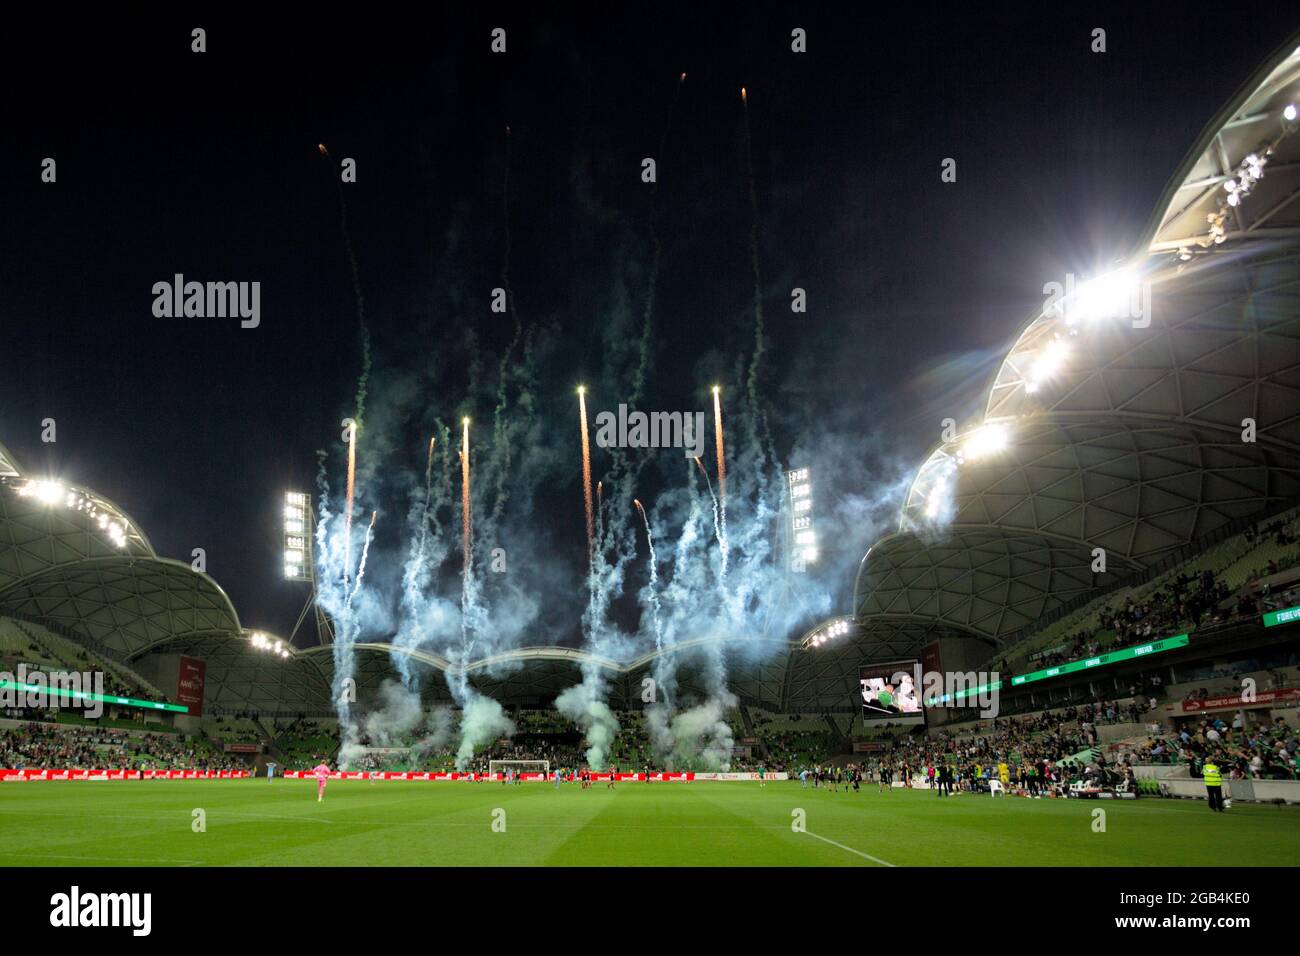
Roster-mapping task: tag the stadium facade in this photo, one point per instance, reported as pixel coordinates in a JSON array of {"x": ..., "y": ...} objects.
[{"x": 1116, "y": 421}]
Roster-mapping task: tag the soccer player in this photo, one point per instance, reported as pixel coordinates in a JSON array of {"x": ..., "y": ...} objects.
[
  {"x": 322, "y": 773},
  {"x": 762, "y": 775},
  {"x": 612, "y": 771}
]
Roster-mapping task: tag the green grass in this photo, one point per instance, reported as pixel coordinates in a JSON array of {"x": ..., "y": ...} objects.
[{"x": 253, "y": 823}]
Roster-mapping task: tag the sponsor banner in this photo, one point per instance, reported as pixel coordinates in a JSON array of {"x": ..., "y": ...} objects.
[
  {"x": 869, "y": 746},
  {"x": 1263, "y": 698},
  {"x": 535, "y": 777},
  {"x": 190, "y": 677},
  {"x": 741, "y": 776},
  {"x": 7, "y": 774},
  {"x": 244, "y": 748}
]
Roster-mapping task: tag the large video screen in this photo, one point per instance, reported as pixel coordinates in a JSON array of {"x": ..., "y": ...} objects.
[{"x": 889, "y": 692}]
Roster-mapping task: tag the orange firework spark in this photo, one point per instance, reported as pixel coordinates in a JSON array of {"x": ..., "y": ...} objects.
[
  {"x": 586, "y": 468},
  {"x": 464, "y": 496},
  {"x": 743, "y": 97},
  {"x": 721, "y": 451},
  {"x": 323, "y": 150}
]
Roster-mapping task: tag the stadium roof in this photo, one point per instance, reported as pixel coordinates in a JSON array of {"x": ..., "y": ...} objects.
[
  {"x": 1115, "y": 420},
  {"x": 71, "y": 557}
]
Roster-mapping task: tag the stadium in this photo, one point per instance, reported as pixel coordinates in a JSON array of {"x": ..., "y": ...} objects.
[{"x": 1085, "y": 598}]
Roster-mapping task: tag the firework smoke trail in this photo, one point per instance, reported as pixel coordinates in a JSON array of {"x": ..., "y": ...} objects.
[
  {"x": 717, "y": 527},
  {"x": 469, "y": 593},
  {"x": 414, "y": 577},
  {"x": 332, "y": 597},
  {"x": 685, "y": 593},
  {"x": 653, "y": 587},
  {"x": 345, "y": 657},
  {"x": 365, "y": 552},
  {"x": 347, "y": 239},
  {"x": 482, "y": 719},
  {"x": 586, "y": 473},
  {"x": 761, "y": 433},
  {"x": 363, "y": 380},
  {"x": 501, "y": 444},
  {"x": 647, "y": 322}
]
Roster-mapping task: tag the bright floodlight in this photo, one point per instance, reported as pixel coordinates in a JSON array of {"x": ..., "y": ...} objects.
[
  {"x": 297, "y": 536},
  {"x": 1113, "y": 295},
  {"x": 46, "y": 492},
  {"x": 804, "y": 552},
  {"x": 985, "y": 440},
  {"x": 54, "y": 494},
  {"x": 1047, "y": 363},
  {"x": 1290, "y": 113}
]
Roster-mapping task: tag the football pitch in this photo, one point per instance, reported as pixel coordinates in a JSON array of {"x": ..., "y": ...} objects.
[{"x": 255, "y": 823}]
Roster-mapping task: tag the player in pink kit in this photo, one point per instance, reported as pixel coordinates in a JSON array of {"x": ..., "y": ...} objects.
[{"x": 322, "y": 773}]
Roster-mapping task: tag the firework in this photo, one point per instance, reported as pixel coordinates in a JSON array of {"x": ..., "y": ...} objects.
[
  {"x": 466, "y": 539},
  {"x": 720, "y": 449},
  {"x": 352, "y": 487},
  {"x": 586, "y": 469},
  {"x": 365, "y": 553},
  {"x": 654, "y": 577}
]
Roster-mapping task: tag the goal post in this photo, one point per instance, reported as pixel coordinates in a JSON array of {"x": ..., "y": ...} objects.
[{"x": 519, "y": 766}]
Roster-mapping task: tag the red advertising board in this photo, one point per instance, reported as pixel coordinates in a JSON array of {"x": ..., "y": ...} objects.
[
  {"x": 75, "y": 774},
  {"x": 1263, "y": 698},
  {"x": 189, "y": 684}
]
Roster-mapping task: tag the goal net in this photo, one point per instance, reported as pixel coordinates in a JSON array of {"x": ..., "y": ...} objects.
[{"x": 519, "y": 766}]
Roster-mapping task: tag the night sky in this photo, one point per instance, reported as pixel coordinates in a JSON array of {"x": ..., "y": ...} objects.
[{"x": 206, "y": 165}]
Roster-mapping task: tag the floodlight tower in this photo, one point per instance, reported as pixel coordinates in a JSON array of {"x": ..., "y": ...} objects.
[
  {"x": 798, "y": 540},
  {"x": 299, "y": 532}
]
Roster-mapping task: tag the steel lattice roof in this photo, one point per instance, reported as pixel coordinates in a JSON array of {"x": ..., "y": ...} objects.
[{"x": 1137, "y": 446}]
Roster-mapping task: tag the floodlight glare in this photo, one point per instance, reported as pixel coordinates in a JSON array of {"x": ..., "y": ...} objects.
[
  {"x": 985, "y": 440},
  {"x": 1107, "y": 296},
  {"x": 1047, "y": 364}
]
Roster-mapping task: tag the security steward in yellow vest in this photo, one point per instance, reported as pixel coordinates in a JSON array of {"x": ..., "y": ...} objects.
[{"x": 1213, "y": 785}]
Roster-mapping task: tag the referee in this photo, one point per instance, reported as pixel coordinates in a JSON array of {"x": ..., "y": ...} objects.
[{"x": 1213, "y": 785}]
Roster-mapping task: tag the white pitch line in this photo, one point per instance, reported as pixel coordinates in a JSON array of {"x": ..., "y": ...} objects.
[
  {"x": 865, "y": 856},
  {"x": 125, "y": 860}
]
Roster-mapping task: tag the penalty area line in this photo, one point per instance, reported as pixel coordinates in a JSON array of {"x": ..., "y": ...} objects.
[{"x": 865, "y": 856}]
